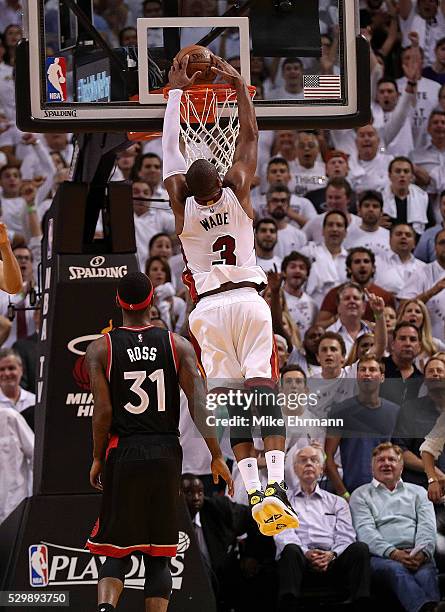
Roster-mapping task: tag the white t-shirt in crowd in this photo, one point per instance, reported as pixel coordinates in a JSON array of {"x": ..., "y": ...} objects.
[
  {"x": 432, "y": 273},
  {"x": 399, "y": 277},
  {"x": 303, "y": 311},
  {"x": 427, "y": 100},
  {"x": 268, "y": 264},
  {"x": 146, "y": 226},
  {"x": 314, "y": 228},
  {"x": 377, "y": 242},
  {"x": 371, "y": 174},
  {"x": 289, "y": 239}
]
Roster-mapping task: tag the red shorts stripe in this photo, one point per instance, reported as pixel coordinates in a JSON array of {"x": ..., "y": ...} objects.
[
  {"x": 112, "y": 443},
  {"x": 175, "y": 354},
  {"x": 109, "y": 550},
  {"x": 274, "y": 363},
  {"x": 197, "y": 348}
]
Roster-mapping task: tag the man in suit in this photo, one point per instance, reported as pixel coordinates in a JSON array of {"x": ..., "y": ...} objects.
[{"x": 218, "y": 523}]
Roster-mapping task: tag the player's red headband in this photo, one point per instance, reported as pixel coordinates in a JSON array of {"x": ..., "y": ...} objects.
[{"x": 139, "y": 306}]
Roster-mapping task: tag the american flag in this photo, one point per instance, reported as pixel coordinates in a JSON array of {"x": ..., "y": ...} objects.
[{"x": 321, "y": 86}]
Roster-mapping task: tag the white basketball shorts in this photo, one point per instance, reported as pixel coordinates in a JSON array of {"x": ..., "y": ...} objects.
[{"x": 234, "y": 332}]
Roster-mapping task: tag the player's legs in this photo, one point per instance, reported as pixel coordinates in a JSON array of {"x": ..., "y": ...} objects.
[
  {"x": 256, "y": 353},
  {"x": 211, "y": 324},
  {"x": 111, "y": 582},
  {"x": 158, "y": 584}
]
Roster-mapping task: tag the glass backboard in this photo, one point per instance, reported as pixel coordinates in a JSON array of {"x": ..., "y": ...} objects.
[{"x": 94, "y": 67}]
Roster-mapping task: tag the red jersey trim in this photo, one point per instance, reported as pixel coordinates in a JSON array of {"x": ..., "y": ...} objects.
[
  {"x": 136, "y": 328},
  {"x": 109, "y": 355},
  {"x": 187, "y": 278},
  {"x": 110, "y": 550},
  {"x": 174, "y": 352},
  {"x": 112, "y": 443}
]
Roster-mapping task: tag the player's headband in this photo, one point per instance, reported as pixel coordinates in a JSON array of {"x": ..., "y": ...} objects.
[{"x": 140, "y": 306}]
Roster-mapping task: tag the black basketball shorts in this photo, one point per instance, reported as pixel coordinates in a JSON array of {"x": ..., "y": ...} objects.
[{"x": 141, "y": 483}]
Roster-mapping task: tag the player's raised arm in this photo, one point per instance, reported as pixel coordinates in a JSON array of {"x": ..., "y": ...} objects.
[
  {"x": 244, "y": 164},
  {"x": 193, "y": 386},
  {"x": 96, "y": 358},
  {"x": 174, "y": 164}
]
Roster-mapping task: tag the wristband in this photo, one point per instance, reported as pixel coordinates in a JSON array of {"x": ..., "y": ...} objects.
[
  {"x": 346, "y": 495},
  {"x": 377, "y": 317},
  {"x": 31, "y": 208},
  {"x": 412, "y": 83}
]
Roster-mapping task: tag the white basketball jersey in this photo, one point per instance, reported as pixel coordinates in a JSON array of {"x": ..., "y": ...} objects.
[{"x": 218, "y": 245}]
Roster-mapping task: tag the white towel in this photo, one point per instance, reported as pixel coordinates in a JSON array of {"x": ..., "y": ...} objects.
[{"x": 417, "y": 204}]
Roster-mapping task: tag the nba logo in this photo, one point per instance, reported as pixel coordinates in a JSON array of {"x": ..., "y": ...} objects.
[
  {"x": 38, "y": 565},
  {"x": 56, "y": 79}
]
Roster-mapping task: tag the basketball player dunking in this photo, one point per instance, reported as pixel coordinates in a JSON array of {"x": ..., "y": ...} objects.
[
  {"x": 135, "y": 373},
  {"x": 231, "y": 323}
]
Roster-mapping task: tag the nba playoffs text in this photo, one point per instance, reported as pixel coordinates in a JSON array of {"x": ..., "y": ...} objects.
[{"x": 26, "y": 599}]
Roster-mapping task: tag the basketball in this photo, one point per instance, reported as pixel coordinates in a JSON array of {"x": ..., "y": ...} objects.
[
  {"x": 62, "y": 79},
  {"x": 200, "y": 59}
]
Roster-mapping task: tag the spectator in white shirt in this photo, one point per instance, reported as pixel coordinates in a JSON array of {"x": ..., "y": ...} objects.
[
  {"x": 370, "y": 169},
  {"x": 303, "y": 310},
  {"x": 148, "y": 168},
  {"x": 300, "y": 210},
  {"x": 148, "y": 221},
  {"x": 338, "y": 197},
  {"x": 369, "y": 234},
  {"x": 351, "y": 309},
  {"x": 10, "y": 13},
  {"x": 387, "y": 99},
  {"x": 15, "y": 460},
  {"x": 398, "y": 271},
  {"x": 11, "y": 393},
  {"x": 425, "y": 18},
  {"x": 329, "y": 258},
  {"x": 308, "y": 169},
  {"x": 426, "y": 90},
  {"x": 429, "y": 287},
  {"x": 266, "y": 236},
  {"x": 292, "y": 87},
  {"x": 124, "y": 163},
  {"x": 403, "y": 201},
  {"x": 431, "y": 158},
  {"x": 290, "y": 238}
]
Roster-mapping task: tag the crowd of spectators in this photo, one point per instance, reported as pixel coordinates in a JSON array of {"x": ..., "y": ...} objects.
[{"x": 343, "y": 218}]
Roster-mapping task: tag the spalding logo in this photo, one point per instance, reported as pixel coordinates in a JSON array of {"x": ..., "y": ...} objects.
[{"x": 97, "y": 261}]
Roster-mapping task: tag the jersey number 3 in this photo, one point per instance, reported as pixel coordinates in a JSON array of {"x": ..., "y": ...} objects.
[
  {"x": 225, "y": 246},
  {"x": 139, "y": 376}
]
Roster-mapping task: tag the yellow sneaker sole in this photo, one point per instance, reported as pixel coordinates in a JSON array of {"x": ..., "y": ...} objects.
[{"x": 272, "y": 518}]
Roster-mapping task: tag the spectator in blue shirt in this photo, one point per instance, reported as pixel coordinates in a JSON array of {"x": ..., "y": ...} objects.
[
  {"x": 396, "y": 520},
  {"x": 324, "y": 548},
  {"x": 368, "y": 420},
  {"x": 425, "y": 249}
]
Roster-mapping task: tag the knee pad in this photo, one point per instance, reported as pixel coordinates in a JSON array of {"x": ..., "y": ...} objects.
[
  {"x": 269, "y": 413},
  {"x": 158, "y": 579},
  {"x": 115, "y": 568}
]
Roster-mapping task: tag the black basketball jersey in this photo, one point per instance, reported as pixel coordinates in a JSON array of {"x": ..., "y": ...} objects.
[{"x": 142, "y": 372}]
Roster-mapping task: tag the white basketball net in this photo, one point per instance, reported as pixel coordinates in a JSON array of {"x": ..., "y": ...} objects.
[{"x": 210, "y": 141}]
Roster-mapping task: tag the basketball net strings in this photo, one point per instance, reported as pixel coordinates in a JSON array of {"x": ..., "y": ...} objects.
[{"x": 210, "y": 141}]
